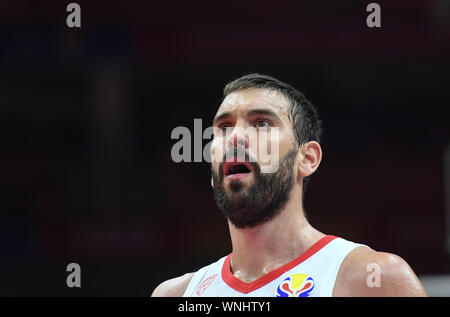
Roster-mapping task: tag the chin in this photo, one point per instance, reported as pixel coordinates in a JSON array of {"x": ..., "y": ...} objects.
[{"x": 236, "y": 186}]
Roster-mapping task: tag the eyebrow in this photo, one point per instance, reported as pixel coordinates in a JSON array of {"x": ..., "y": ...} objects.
[
  {"x": 221, "y": 117},
  {"x": 254, "y": 112},
  {"x": 264, "y": 112}
]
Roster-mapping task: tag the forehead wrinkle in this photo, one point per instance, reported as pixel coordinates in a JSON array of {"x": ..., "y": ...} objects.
[{"x": 264, "y": 98}]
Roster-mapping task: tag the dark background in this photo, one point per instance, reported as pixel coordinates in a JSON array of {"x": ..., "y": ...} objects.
[{"x": 86, "y": 117}]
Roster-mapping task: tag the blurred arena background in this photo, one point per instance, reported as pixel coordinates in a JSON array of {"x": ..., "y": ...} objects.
[{"x": 86, "y": 117}]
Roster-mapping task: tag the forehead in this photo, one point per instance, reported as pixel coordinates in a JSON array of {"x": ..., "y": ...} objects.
[{"x": 249, "y": 99}]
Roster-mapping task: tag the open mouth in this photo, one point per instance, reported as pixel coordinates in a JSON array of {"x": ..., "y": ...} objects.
[{"x": 233, "y": 170}]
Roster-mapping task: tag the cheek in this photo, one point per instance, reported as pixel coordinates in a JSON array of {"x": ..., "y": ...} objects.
[
  {"x": 286, "y": 141},
  {"x": 273, "y": 146},
  {"x": 270, "y": 145}
]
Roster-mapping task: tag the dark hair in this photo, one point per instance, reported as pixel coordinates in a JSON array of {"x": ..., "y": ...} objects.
[{"x": 305, "y": 119}]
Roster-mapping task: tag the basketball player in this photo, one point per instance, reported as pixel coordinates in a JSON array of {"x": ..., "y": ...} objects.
[{"x": 275, "y": 251}]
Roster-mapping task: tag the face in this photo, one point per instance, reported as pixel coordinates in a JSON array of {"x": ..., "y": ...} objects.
[{"x": 250, "y": 126}]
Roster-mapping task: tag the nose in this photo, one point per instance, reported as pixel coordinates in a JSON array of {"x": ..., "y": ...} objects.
[{"x": 238, "y": 138}]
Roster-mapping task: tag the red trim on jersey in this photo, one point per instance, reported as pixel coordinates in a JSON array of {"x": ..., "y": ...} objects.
[{"x": 244, "y": 287}]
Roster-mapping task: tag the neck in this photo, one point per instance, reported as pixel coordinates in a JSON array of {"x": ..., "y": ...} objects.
[{"x": 262, "y": 249}]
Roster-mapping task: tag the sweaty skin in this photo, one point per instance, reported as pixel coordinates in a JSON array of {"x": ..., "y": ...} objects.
[{"x": 268, "y": 246}]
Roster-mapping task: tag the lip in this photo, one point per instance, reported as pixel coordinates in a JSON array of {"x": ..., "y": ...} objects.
[
  {"x": 228, "y": 164},
  {"x": 237, "y": 176}
]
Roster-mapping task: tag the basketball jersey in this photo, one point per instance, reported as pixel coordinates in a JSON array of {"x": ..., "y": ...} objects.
[{"x": 312, "y": 274}]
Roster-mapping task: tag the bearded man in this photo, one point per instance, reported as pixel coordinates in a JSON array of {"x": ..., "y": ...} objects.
[{"x": 275, "y": 251}]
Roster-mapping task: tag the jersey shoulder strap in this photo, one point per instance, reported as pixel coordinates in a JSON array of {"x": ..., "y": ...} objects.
[{"x": 335, "y": 257}]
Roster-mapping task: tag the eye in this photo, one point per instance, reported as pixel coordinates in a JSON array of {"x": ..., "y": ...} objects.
[
  {"x": 263, "y": 123},
  {"x": 224, "y": 126}
]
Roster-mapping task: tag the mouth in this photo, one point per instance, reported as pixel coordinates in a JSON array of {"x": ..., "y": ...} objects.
[{"x": 236, "y": 170}]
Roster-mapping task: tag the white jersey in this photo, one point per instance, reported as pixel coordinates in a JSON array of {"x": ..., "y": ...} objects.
[{"x": 312, "y": 274}]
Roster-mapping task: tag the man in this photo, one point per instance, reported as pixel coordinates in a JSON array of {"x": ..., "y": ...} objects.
[{"x": 275, "y": 251}]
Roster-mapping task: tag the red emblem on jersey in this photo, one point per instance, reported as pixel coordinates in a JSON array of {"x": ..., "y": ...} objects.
[{"x": 205, "y": 284}]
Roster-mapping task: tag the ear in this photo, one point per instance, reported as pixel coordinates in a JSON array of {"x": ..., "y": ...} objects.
[
  {"x": 212, "y": 182},
  {"x": 310, "y": 158}
]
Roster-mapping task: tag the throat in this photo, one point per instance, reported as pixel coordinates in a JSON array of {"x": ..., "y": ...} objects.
[
  {"x": 257, "y": 252},
  {"x": 251, "y": 273},
  {"x": 260, "y": 250}
]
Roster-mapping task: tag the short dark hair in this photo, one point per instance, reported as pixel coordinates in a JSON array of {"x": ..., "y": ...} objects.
[{"x": 305, "y": 119}]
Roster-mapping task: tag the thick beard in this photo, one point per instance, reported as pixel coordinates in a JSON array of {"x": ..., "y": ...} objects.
[{"x": 262, "y": 201}]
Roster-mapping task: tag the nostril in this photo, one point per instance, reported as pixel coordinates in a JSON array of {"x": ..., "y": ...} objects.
[
  {"x": 239, "y": 140},
  {"x": 241, "y": 143}
]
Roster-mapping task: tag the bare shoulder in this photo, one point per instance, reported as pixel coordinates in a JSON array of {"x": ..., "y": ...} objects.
[
  {"x": 174, "y": 287},
  {"x": 365, "y": 272}
]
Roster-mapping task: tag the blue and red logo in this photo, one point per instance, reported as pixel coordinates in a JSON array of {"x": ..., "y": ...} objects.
[{"x": 296, "y": 285}]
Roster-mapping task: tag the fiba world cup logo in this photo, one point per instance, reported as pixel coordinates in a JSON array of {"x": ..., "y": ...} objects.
[{"x": 296, "y": 285}]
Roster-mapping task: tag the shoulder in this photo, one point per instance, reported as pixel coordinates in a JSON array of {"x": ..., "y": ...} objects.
[
  {"x": 174, "y": 287},
  {"x": 365, "y": 272}
]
